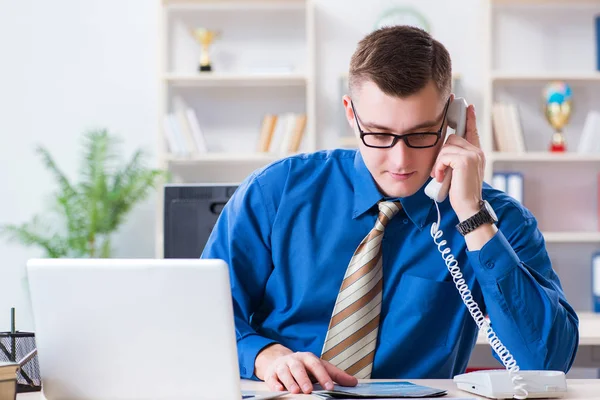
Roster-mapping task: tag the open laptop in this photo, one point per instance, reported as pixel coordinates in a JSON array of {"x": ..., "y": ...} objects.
[{"x": 135, "y": 329}]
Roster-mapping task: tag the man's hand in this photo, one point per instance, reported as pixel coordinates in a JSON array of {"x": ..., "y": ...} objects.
[
  {"x": 283, "y": 369},
  {"x": 465, "y": 157}
]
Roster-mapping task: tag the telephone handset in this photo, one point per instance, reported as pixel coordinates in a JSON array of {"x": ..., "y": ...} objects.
[
  {"x": 497, "y": 384},
  {"x": 457, "y": 120}
]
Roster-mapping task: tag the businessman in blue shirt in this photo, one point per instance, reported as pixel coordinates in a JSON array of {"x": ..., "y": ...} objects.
[{"x": 334, "y": 273}]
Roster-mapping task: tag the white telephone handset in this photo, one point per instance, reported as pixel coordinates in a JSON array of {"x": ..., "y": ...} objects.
[
  {"x": 457, "y": 120},
  {"x": 496, "y": 384}
]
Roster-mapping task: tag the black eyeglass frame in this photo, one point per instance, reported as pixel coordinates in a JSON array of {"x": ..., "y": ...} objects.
[{"x": 404, "y": 137}]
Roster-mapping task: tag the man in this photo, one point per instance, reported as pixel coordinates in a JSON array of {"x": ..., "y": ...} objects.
[{"x": 334, "y": 273}]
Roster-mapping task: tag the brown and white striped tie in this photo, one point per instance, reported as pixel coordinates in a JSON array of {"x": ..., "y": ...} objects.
[{"x": 352, "y": 334}]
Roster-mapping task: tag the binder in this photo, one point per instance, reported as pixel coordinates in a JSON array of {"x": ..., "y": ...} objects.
[
  {"x": 596, "y": 282},
  {"x": 598, "y": 42},
  {"x": 499, "y": 181},
  {"x": 514, "y": 185}
]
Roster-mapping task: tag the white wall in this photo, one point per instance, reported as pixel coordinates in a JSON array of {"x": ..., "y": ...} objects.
[
  {"x": 67, "y": 66},
  {"x": 70, "y": 65}
]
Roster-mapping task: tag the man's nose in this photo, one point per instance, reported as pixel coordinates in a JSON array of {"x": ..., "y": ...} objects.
[{"x": 400, "y": 153}]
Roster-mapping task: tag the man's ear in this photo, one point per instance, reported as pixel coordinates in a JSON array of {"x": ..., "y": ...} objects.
[{"x": 348, "y": 111}]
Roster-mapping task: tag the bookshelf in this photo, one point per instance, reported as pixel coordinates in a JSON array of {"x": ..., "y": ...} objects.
[
  {"x": 529, "y": 44},
  {"x": 263, "y": 62}
]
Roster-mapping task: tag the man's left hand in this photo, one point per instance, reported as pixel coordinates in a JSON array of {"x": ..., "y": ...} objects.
[{"x": 465, "y": 157}]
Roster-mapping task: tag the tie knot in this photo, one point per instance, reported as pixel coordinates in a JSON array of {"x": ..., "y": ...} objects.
[{"x": 387, "y": 210}]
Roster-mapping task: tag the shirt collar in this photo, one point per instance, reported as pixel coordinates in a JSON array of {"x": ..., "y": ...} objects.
[{"x": 418, "y": 207}]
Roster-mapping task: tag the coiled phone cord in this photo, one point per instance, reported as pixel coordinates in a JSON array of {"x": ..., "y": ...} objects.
[{"x": 465, "y": 293}]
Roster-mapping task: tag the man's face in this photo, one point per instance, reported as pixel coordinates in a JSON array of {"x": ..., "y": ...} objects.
[{"x": 399, "y": 171}]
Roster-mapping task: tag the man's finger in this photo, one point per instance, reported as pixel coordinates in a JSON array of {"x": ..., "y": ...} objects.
[
  {"x": 339, "y": 376},
  {"x": 285, "y": 376},
  {"x": 299, "y": 373},
  {"x": 317, "y": 369},
  {"x": 273, "y": 383},
  {"x": 471, "y": 133}
]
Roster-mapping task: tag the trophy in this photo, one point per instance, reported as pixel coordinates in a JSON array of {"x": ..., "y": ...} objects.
[
  {"x": 205, "y": 37},
  {"x": 558, "y": 108}
]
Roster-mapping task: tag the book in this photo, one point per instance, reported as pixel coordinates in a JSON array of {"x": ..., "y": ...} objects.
[
  {"x": 514, "y": 186},
  {"x": 8, "y": 380},
  {"x": 378, "y": 390},
  {"x": 596, "y": 282},
  {"x": 266, "y": 133},
  {"x": 589, "y": 141}
]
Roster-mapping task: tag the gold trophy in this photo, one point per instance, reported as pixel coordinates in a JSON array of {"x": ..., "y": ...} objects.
[
  {"x": 205, "y": 37},
  {"x": 558, "y": 107}
]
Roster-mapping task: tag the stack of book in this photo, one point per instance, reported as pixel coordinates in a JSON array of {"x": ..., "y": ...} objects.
[
  {"x": 182, "y": 131},
  {"x": 8, "y": 380},
  {"x": 281, "y": 134},
  {"x": 508, "y": 131},
  {"x": 510, "y": 183}
]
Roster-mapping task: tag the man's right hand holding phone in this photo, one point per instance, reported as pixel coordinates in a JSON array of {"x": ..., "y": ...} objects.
[{"x": 282, "y": 369}]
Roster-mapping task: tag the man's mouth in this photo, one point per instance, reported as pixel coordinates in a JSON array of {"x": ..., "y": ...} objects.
[{"x": 400, "y": 177}]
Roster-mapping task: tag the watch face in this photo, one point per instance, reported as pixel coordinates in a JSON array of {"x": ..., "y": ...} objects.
[
  {"x": 490, "y": 210},
  {"x": 402, "y": 16}
]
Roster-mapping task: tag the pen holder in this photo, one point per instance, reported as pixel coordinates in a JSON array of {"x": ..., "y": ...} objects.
[{"x": 15, "y": 347}]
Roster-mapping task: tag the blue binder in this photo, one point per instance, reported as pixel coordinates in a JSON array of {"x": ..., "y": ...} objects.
[
  {"x": 596, "y": 282},
  {"x": 598, "y": 42}
]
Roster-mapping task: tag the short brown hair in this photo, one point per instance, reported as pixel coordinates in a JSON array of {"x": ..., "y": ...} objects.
[{"x": 401, "y": 60}]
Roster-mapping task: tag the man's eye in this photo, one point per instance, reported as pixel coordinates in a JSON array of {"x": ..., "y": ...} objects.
[{"x": 381, "y": 137}]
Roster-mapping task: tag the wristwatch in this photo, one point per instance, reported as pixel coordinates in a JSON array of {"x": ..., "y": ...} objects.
[{"x": 486, "y": 215}]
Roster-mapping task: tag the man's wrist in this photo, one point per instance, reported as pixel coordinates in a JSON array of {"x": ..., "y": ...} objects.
[{"x": 468, "y": 210}]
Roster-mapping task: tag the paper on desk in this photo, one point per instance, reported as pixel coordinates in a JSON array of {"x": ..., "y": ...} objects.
[{"x": 383, "y": 390}]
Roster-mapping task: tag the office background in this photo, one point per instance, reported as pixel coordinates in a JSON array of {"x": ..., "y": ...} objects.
[{"x": 70, "y": 66}]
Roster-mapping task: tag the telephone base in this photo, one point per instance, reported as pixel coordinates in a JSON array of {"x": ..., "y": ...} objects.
[{"x": 497, "y": 384}]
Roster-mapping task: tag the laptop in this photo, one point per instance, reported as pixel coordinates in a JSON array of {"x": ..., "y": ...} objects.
[{"x": 135, "y": 329}]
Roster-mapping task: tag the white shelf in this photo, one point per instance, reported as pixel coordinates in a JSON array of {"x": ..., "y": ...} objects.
[
  {"x": 235, "y": 5},
  {"x": 524, "y": 77},
  {"x": 224, "y": 158},
  {"x": 246, "y": 79},
  {"x": 572, "y": 237},
  {"x": 543, "y": 157},
  {"x": 589, "y": 329}
]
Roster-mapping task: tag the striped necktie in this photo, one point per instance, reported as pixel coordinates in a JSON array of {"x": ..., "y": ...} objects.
[{"x": 352, "y": 334}]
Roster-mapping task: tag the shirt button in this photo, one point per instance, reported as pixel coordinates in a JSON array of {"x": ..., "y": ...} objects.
[
  {"x": 405, "y": 221},
  {"x": 489, "y": 264}
]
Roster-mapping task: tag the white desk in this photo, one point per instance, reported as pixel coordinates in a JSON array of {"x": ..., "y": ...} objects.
[
  {"x": 579, "y": 389},
  {"x": 588, "y": 353}
]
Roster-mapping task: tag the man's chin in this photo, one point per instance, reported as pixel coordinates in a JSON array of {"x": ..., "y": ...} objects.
[{"x": 400, "y": 190}]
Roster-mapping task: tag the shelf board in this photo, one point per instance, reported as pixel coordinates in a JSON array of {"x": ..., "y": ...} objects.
[
  {"x": 224, "y": 158},
  {"x": 542, "y": 156},
  {"x": 516, "y": 77},
  {"x": 235, "y": 5},
  {"x": 589, "y": 329},
  {"x": 246, "y": 79},
  {"x": 572, "y": 237}
]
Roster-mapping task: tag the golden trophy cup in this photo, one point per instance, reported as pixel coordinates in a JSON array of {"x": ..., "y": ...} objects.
[
  {"x": 558, "y": 108},
  {"x": 205, "y": 37}
]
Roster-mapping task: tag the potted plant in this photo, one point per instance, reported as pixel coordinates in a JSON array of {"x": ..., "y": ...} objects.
[{"x": 93, "y": 208}]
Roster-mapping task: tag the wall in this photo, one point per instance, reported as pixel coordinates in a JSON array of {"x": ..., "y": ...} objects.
[{"x": 68, "y": 66}]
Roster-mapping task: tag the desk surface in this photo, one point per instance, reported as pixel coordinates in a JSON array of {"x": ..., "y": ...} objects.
[
  {"x": 589, "y": 330},
  {"x": 579, "y": 389}
]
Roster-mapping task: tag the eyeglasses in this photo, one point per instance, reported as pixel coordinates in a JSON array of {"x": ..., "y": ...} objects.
[{"x": 418, "y": 140}]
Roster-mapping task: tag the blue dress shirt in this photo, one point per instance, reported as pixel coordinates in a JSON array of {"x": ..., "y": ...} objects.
[{"x": 291, "y": 228}]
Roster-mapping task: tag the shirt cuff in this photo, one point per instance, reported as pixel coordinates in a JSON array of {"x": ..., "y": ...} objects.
[
  {"x": 495, "y": 259},
  {"x": 248, "y": 348}
]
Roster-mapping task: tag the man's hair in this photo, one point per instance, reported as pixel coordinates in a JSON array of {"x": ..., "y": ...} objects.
[{"x": 401, "y": 60}]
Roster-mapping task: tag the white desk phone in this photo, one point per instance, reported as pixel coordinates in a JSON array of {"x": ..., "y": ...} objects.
[{"x": 495, "y": 384}]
